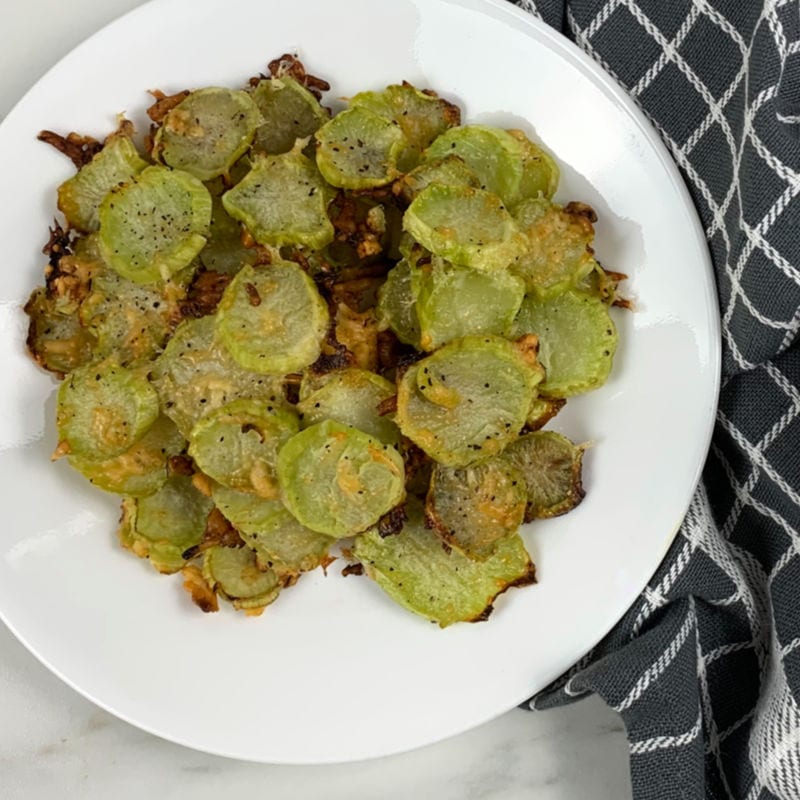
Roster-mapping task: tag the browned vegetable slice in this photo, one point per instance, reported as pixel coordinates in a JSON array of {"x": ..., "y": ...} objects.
[
  {"x": 441, "y": 584},
  {"x": 234, "y": 573},
  {"x": 57, "y": 341},
  {"x": 551, "y": 465},
  {"x": 465, "y": 402},
  {"x": 473, "y": 508},
  {"x": 162, "y": 526}
]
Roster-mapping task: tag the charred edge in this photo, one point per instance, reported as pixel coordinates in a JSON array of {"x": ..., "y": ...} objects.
[
  {"x": 387, "y": 406},
  {"x": 623, "y": 302},
  {"x": 392, "y": 522},
  {"x": 289, "y": 579},
  {"x": 325, "y": 562},
  {"x": 78, "y": 149},
  {"x": 578, "y": 209},
  {"x": 484, "y": 615},
  {"x": 204, "y": 294},
  {"x": 554, "y": 406},
  {"x": 58, "y": 245},
  {"x": 353, "y": 569},
  {"x": 289, "y": 64},
  {"x": 164, "y": 104},
  {"x": 526, "y": 579}
]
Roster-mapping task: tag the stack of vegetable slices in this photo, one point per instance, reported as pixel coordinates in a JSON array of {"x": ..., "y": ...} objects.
[{"x": 279, "y": 330}]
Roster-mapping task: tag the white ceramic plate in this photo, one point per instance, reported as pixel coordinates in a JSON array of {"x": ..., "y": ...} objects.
[{"x": 334, "y": 671}]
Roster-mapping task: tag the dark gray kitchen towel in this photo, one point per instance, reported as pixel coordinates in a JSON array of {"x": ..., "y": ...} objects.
[{"x": 705, "y": 666}]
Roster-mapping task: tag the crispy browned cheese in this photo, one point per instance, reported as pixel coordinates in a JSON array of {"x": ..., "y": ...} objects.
[
  {"x": 387, "y": 406},
  {"x": 325, "y": 562},
  {"x": 164, "y": 104},
  {"x": 359, "y": 294},
  {"x": 392, "y": 521},
  {"x": 418, "y": 466},
  {"x": 180, "y": 465},
  {"x": 218, "y": 533},
  {"x": 337, "y": 357},
  {"x": 79, "y": 149},
  {"x": 59, "y": 244},
  {"x": 289, "y": 64},
  {"x": 577, "y": 209},
  {"x": 204, "y": 294},
  {"x": 358, "y": 332},
  {"x": 202, "y": 594}
]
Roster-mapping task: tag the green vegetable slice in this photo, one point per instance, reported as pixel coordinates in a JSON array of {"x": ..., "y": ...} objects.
[
  {"x": 551, "y": 466},
  {"x": 540, "y": 172},
  {"x": 493, "y": 154},
  {"x": 466, "y": 226},
  {"x": 207, "y": 132},
  {"x": 237, "y": 444},
  {"x": 154, "y": 225},
  {"x": 57, "y": 341},
  {"x": 396, "y": 305},
  {"x": 442, "y": 585},
  {"x": 103, "y": 409},
  {"x": 473, "y": 508},
  {"x": 235, "y": 573},
  {"x": 272, "y": 319},
  {"x": 247, "y": 512},
  {"x": 453, "y": 301},
  {"x": 467, "y": 401},
  {"x": 79, "y": 197},
  {"x": 163, "y": 525},
  {"x": 451, "y": 171},
  {"x": 130, "y": 321},
  {"x": 139, "y": 471},
  {"x": 422, "y": 116},
  {"x": 280, "y": 542},
  {"x": 290, "y": 112},
  {"x": 195, "y": 374},
  {"x": 358, "y": 149},
  {"x": 559, "y": 249},
  {"x": 224, "y": 251},
  {"x": 282, "y": 200},
  {"x": 338, "y": 480},
  {"x": 577, "y": 341},
  {"x": 351, "y": 397}
]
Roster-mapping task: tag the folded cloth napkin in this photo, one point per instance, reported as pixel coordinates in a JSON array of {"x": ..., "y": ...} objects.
[{"x": 705, "y": 666}]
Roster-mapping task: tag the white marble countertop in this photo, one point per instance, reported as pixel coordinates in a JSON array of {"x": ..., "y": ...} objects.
[{"x": 54, "y": 743}]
